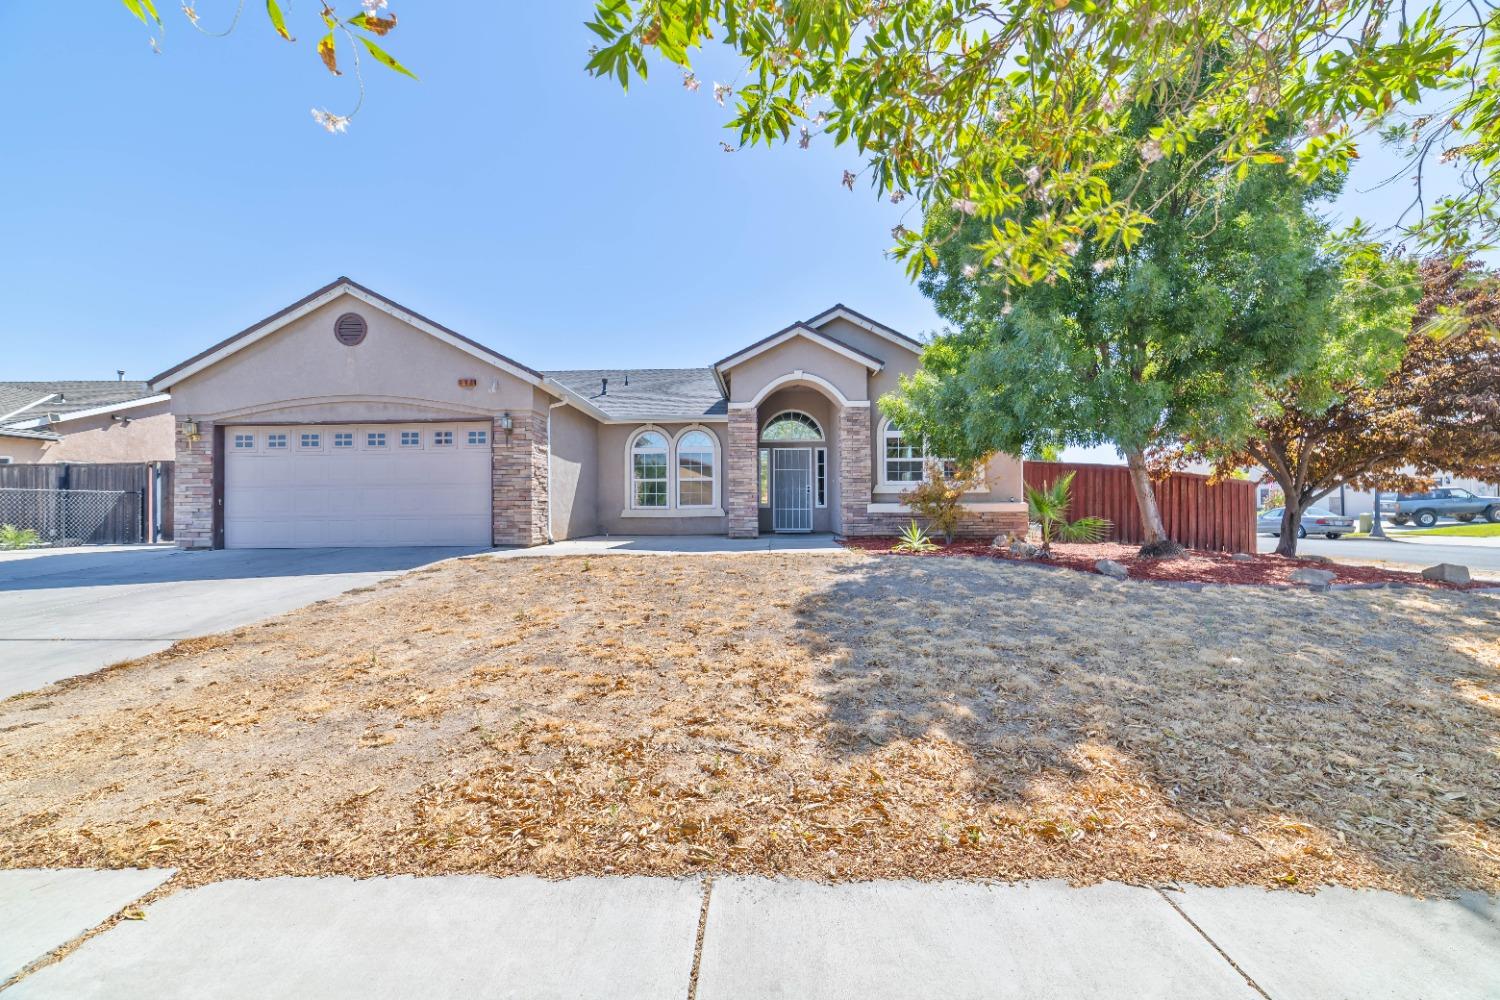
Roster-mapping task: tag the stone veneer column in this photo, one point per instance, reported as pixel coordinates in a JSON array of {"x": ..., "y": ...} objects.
[
  {"x": 743, "y": 504},
  {"x": 854, "y": 470},
  {"x": 193, "y": 489},
  {"x": 518, "y": 480}
]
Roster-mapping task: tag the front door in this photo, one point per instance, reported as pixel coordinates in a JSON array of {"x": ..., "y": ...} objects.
[{"x": 791, "y": 489}]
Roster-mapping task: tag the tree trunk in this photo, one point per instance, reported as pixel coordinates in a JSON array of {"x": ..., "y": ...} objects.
[
  {"x": 1155, "y": 541},
  {"x": 1291, "y": 520}
]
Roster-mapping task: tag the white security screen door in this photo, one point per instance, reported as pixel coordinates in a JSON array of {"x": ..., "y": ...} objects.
[
  {"x": 791, "y": 489},
  {"x": 312, "y": 485}
]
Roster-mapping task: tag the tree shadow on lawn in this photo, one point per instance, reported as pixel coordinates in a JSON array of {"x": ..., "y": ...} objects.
[{"x": 1141, "y": 731}]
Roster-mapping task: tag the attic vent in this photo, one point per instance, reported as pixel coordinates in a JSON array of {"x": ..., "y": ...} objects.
[{"x": 350, "y": 329}]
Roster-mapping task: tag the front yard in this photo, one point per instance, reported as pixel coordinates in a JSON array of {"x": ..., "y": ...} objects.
[{"x": 841, "y": 716}]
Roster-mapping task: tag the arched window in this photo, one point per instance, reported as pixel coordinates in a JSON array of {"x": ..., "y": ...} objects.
[
  {"x": 793, "y": 425},
  {"x": 903, "y": 459},
  {"x": 695, "y": 469},
  {"x": 648, "y": 469}
]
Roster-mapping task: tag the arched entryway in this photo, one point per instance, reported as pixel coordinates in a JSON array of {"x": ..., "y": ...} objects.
[{"x": 796, "y": 455}]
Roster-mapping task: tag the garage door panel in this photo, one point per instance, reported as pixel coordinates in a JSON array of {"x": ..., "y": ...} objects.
[{"x": 360, "y": 495}]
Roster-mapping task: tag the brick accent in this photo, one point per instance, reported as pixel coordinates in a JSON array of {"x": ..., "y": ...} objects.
[
  {"x": 743, "y": 494},
  {"x": 975, "y": 524},
  {"x": 854, "y": 469},
  {"x": 518, "y": 480},
  {"x": 193, "y": 489}
]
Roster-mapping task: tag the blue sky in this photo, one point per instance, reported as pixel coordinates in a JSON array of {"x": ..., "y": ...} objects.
[{"x": 157, "y": 203}]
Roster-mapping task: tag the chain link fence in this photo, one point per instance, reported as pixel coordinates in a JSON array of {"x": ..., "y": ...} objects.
[{"x": 31, "y": 518}]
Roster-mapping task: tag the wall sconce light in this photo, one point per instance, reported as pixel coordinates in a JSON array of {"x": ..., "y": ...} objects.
[
  {"x": 190, "y": 429},
  {"x": 506, "y": 423}
]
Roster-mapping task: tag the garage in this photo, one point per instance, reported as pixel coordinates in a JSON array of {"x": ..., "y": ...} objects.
[{"x": 316, "y": 485}]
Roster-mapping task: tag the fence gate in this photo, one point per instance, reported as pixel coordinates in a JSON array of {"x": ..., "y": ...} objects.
[{"x": 77, "y": 504}]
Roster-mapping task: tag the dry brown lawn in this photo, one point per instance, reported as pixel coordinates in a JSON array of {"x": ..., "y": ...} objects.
[{"x": 836, "y": 716}]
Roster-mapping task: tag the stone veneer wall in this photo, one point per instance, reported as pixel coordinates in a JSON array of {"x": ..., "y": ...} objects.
[
  {"x": 854, "y": 470},
  {"x": 975, "y": 524},
  {"x": 743, "y": 493},
  {"x": 518, "y": 480},
  {"x": 193, "y": 489}
]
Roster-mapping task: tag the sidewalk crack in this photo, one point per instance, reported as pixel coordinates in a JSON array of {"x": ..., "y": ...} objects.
[
  {"x": 708, "y": 888},
  {"x": 1214, "y": 944}
]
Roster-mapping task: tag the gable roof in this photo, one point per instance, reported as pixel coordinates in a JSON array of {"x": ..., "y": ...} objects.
[
  {"x": 840, "y": 311},
  {"x": 329, "y": 292},
  {"x": 637, "y": 394},
  {"x": 802, "y": 330},
  {"x": 32, "y": 400}
]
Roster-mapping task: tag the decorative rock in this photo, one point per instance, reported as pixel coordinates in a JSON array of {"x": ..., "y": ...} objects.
[
  {"x": 1109, "y": 567},
  {"x": 1325, "y": 560},
  {"x": 1242, "y": 557},
  {"x": 1024, "y": 549},
  {"x": 1317, "y": 579},
  {"x": 1447, "y": 573}
]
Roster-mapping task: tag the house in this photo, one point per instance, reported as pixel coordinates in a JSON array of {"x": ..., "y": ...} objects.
[
  {"x": 111, "y": 420},
  {"x": 348, "y": 419}
]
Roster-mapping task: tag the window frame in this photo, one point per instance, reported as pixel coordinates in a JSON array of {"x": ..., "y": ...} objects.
[
  {"x": 401, "y": 439},
  {"x": 484, "y": 437},
  {"x": 317, "y": 442},
  {"x": 273, "y": 436},
  {"x": 234, "y": 444},
  {"x": 675, "y": 468},
  {"x": 806, "y": 420},
  {"x": 632, "y": 480},
  {"x": 887, "y": 484},
  {"x": 335, "y": 446},
  {"x": 437, "y": 438},
  {"x": 820, "y": 477},
  {"x": 763, "y": 477},
  {"x": 370, "y": 443}
]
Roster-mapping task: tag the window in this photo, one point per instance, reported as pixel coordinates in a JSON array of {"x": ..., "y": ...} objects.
[
  {"x": 244, "y": 440},
  {"x": 765, "y": 477},
  {"x": 648, "y": 470},
  {"x": 695, "y": 469},
  {"x": 343, "y": 439},
  {"x": 479, "y": 437},
  {"x": 6, "y": 460},
  {"x": 903, "y": 459},
  {"x": 275, "y": 440},
  {"x": 411, "y": 439},
  {"x": 312, "y": 441},
  {"x": 821, "y": 477},
  {"x": 375, "y": 439},
  {"x": 442, "y": 439},
  {"x": 793, "y": 425}
]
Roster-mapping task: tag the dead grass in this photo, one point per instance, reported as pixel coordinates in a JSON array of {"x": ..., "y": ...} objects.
[{"x": 844, "y": 717}]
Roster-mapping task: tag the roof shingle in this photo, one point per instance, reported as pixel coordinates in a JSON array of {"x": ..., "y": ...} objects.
[
  {"x": 72, "y": 395},
  {"x": 647, "y": 393}
]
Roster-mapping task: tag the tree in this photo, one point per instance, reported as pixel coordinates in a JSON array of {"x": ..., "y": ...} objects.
[
  {"x": 373, "y": 21},
  {"x": 939, "y": 496},
  {"x": 1134, "y": 348},
  {"x": 1373, "y": 416},
  {"x": 983, "y": 103}
]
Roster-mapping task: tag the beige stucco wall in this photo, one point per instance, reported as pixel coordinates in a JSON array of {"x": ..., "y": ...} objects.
[
  {"x": 748, "y": 378},
  {"x": 574, "y": 486},
  {"x": 146, "y": 437},
  {"x": 301, "y": 373},
  {"x": 614, "y": 486},
  {"x": 22, "y": 451}
]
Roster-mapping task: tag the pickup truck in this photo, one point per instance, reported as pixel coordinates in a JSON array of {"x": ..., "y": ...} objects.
[{"x": 1426, "y": 508}]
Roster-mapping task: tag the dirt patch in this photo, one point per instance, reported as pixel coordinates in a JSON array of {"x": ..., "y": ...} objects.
[
  {"x": 826, "y": 716},
  {"x": 1194, "y": 566}
]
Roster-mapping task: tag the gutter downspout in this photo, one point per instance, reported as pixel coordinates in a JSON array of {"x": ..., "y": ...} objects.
[{"x": 550, "y": 408}]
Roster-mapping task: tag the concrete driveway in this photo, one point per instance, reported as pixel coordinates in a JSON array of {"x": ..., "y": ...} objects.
[{"x": 71, "y": 611}]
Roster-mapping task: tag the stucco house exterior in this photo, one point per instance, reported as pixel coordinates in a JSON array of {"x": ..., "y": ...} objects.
[
  {"x": 349, "y": 419},
  {"x": 111, "y": 420}
]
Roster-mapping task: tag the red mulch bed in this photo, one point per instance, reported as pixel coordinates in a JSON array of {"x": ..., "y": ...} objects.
[{"x": 1195, "y": 566}]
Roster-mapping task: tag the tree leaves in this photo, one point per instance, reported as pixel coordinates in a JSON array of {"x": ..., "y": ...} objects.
[
  {"x": 326, "y": 53},
  {"x": 278, "y": 21},
  {"x": 383, "y": 57}
]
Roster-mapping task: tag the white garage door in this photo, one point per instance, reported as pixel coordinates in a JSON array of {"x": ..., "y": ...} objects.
[{"x": 357, "y": 484}]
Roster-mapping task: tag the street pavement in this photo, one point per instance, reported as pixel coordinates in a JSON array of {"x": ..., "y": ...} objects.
[
  {"x": 1417, "y": 552},
  {"x": 634, "y": 938}
]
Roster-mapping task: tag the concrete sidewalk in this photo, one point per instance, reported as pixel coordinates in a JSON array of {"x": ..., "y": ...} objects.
[
  {"x": 626, "y": 938},
  {"x": 672, "y": 545}
]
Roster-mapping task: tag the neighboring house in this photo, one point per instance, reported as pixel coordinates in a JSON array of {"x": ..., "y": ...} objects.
[
  {"x": 84, "y": 421},
  {"x": 348, "y": 419}
]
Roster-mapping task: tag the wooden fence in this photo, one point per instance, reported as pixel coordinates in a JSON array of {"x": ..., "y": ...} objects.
[
  {"x": 1200, "y": 516},
  {"x": 143, "y": 515}
]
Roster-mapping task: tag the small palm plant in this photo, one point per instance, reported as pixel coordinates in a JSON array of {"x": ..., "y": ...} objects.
[
  {"x": 1048, "y": 507},
  {"x": 914, "y": 539}
]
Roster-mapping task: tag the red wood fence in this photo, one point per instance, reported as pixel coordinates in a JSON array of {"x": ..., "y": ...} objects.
[{"x": 1200, "y": 516}]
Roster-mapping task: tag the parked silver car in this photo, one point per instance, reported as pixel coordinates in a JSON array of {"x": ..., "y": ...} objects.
[{"x": 1315, "y": 521}]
